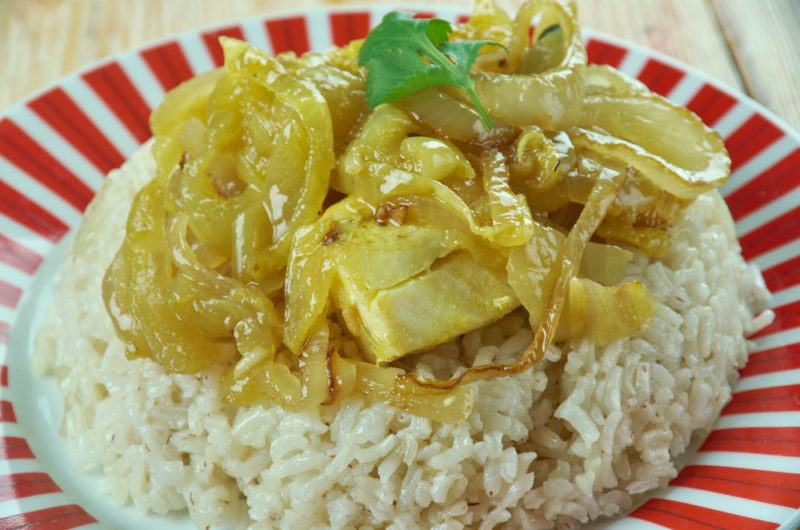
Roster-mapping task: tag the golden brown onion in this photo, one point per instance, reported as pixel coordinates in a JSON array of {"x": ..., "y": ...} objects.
[
  {"x": 550, "y": 99},
  {"x": 537, "y": 161},
  {"x": 391, "y": 387},
  {"x": 136, "y": 293},
  {"x": 452, "y": 118},
  {"x": 590, "y": 306},
  {"x": 277, "y": 191}
]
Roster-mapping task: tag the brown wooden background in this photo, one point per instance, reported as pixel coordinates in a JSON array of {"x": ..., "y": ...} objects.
[{"x": 752, "y": 45}]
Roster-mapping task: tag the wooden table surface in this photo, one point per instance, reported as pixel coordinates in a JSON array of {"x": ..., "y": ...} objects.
[{"x": 752, "y": 45}]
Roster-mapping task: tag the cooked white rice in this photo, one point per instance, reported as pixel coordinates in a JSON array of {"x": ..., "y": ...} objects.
[{"x": 572, "y": 440}]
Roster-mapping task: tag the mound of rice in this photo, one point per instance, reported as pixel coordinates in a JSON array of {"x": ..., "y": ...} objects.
[{"x": 575, "y": 439}]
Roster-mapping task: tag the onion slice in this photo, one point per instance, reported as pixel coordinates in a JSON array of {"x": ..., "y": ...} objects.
[
  {"x": 665, "y": 143},
  {"x": 452, "y": 118},
  {"x": 550, "y": 99}
]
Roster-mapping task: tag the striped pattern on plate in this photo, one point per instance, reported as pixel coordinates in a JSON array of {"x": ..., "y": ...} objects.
[{"x": 56, "y": 147}]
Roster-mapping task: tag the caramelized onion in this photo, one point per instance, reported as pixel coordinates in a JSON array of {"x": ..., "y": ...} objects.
[
  {"x": 589, "y": 304},
  {"x": 550, "y": 99},
  {"x": 136, "y": 294},
  {"x": 537, "y": 160},
  {"x": 665, "y": 143},
  {"x": 276, "y": 191},
  {"x": 392, "y": 387},
  {"x": 452, "y": 118}
]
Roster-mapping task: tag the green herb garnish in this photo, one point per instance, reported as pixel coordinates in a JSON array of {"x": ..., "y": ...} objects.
[{"x": 404, "y": 55}]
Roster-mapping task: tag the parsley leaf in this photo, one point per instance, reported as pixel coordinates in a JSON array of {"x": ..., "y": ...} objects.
[{"x": 404, "y": 55}]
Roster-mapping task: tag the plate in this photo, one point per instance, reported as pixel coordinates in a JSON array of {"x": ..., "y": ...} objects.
[{"x": 56, "y": 146}]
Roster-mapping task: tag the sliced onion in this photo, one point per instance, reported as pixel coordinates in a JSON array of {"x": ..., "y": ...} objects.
[
  {"x": 511, "y": 217},
  {"x": 602, "y": 80},
  {"x": 537, "y": 161},
  {"x": 512, "y": 227},
  {"x": 186, "y": 101},
  {"x": 533, "y": 270},
  {"x": 546, "y": 14},
  {"x": 550, "y": 99},
  {"x": 435, "y": 158},
  {"x": 311, "y": 269},
  {"x": 255, "y": 323},
  {"x": 341, "y": 374},
  {"x": 652, "y": 241},
  {"x": 136, "y": 293},
  {"x": 590, "y": 306},
  {"x": 452, "y": 118},
  {"x": 297, "y": 174},
  {"x": 487, "y": 22},
  {"x": 266, "y": 382},
  {"x": 392, "y": 387},
  {"x": 665, "y": 143},
  {"x": 314, "y": 365},
  {"x": 373, "y": 168},
  {"x": 545, "y": 52}
]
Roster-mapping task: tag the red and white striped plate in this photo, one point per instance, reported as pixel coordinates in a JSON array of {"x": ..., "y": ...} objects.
[{"x": 56, "y": 147}]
